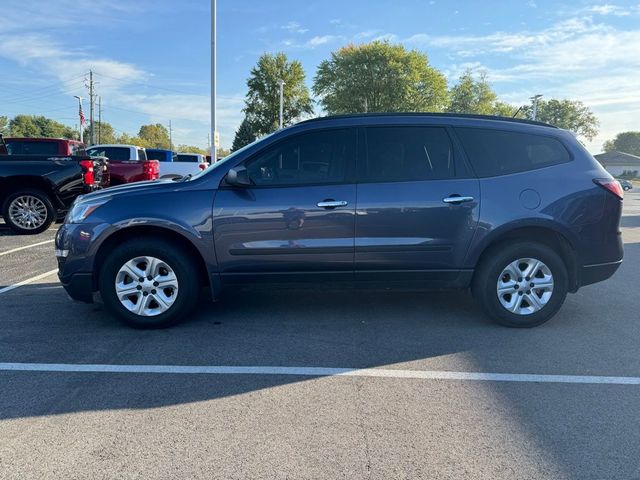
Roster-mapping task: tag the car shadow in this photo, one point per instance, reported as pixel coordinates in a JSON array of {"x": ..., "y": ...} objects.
[{"x": 352, "y": 329}]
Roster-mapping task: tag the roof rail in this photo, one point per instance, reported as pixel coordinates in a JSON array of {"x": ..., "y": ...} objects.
[{"x": 431, "y": 114}]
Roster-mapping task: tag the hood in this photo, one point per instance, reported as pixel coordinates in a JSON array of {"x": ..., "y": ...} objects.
[{"x": 127, "y": 188}]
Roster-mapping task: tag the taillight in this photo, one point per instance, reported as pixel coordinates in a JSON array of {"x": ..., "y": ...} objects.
[
  {"x": 88, "y": 178},
  {"x": 151, "y": 169},
  {"x": 612, "y": 186},
  {"x": 202, "y": 166}
]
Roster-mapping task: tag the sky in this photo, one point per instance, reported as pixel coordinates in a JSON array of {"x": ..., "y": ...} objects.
[{"x": 151, "y": 58}]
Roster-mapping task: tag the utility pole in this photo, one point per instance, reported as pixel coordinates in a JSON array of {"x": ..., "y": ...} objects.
[
  {"x": 99, "y": 120},
  {"x": 535, "y": 99},
  {"x": 91, "y": 102},
  {"x": 214, "y": 126},
  {"x": 281, "y": 84}
]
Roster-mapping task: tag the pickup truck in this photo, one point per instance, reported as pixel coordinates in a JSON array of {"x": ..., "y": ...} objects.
[
  {"x": 174, "y": 165},
  {"x": 41, "y": 146},
  {"x": 35, "y": 190},
  {"x": 127, "y": 163}
]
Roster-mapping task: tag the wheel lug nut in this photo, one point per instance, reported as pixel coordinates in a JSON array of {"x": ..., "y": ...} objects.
[
  {"x": 149, "y": 277},
  {"x": 531, "y": 285},
  {"x": 141, "y": 279},
  {"x": 155, "y": 284},
  {"x": 145, "y": 293},
  {"x": 520, "y": 292},
  {"x": 153, "y": 291},
  {"x": 139, "y": 287},
  {"x": 528, "y": 278},
  {"x": 516, "y": 286},
  {"x": 528, "y": 292}
]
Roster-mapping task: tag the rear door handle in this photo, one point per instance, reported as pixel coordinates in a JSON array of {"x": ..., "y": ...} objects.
[
  {"x": 332, "y": 203},
  {"x": 457, "y": 199}
]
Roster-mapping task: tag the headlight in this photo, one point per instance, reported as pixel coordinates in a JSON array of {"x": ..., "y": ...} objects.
[{"x": 81, "y": 210}]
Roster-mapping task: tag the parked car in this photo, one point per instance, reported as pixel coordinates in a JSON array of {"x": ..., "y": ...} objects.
[
  {"x": 127, "y": 163},
  {"x": 196, "y": 158},
  {"x": 41, "y": 146},
  {"x": 626, "y": 184},
  {"x": 173, "y": 165},
  {"x": 37, "y": 189},
  {"x": 517, "y": 210}
]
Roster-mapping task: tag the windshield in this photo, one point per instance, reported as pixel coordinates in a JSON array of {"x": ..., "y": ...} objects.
[{"x": 225, "y": 160}]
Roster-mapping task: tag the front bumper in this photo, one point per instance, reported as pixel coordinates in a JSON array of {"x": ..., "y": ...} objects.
[{"x": 79, "y": 286}]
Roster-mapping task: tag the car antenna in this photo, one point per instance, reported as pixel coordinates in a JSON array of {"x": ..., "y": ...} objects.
[{"x": 517, "y": 112}]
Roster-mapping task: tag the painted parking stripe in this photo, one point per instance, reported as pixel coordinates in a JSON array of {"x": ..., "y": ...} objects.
[
  {"x": 13, "y": 250},
  {"x": 318, "y": 372},
  {"x": 28, "y": 280}
]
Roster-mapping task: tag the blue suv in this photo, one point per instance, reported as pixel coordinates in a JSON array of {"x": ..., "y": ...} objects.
[{"x": 516, "y": 210}]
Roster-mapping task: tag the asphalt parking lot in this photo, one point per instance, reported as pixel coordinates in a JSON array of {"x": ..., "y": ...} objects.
[{"x": 415, "y": 416}]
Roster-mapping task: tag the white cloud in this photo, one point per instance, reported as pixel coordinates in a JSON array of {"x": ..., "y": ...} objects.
[
  {"x": 294, "y": 27},
  {"x": 608, "y": 9},
  {"x": 321, "y": 40}
]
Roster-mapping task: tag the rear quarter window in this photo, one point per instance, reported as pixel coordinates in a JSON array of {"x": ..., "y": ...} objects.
[
  {"x": 500, "y": 152},
  {"x": 32, "y": 148}
]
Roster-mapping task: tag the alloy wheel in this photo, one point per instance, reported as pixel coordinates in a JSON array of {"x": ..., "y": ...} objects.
[
  {"x": 28, "y": 212},
  {"x": 525, "y": 286}
]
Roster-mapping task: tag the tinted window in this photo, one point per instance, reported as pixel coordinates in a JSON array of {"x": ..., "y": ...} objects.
[
  {"x": 159, "y": 155},
  {"x": 142, "y": 154},
  {"x": 112, "y": 153},
  {"x": 396, "y": 154},
  {"x": 32, "y": 148},
  {"x": 497, "y": 152},
  {"x": 186, "y": 158},
  {"x": 319, "y": 157}
]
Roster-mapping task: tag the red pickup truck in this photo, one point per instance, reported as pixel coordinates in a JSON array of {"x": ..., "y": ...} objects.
[{"x": 121, "y": 168}]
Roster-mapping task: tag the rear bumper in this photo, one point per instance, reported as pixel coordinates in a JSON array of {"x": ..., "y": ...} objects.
[
  {"x": 79, "y": 286},
  {"x": 597, "y": 273}
]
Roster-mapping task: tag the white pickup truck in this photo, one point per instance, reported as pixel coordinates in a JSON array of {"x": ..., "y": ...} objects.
[{"x": 177, "y": 164}]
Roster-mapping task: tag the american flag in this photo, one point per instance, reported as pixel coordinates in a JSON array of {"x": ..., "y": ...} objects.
[{"x": 82, "y": 120}]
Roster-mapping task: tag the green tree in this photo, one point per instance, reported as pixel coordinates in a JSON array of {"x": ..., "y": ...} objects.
[
  {"x": 4, "y": 125},
  {"x": 379, "y": 77},
  {"x": 568, "y": 114},
  {"x": 104, "y": 133},
  {"x": 472, "y": 95},
  {"x": 263, "y": 98},
  {"x": 39, "y": 126},
  {"x": 191, "y": 149},
  {"x": 627, "y": 142},
  {"x": 244, "y": 135},
  {"x": 154, "y": 136}
]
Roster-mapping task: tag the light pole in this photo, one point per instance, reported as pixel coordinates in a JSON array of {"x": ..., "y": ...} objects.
[
  {"x": 534, "y": 99},
  {"x": 214, "y": 155},
  {"x": 81, "y": 115},
  {"x": 281, "y": 84}
]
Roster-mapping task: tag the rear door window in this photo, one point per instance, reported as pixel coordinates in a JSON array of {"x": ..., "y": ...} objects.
[
  {"x": 25, "y": 147},
  {"x": 186, "y": 158},
  {"x": 112, "y": 153},
  {"x": 405, "y": 154},
  {"x": 499, "y": 152}
]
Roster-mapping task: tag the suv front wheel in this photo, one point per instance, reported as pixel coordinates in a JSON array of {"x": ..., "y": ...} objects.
[
  {"x": 521, "y": 285},
  {"x": 149, "y": 283}
]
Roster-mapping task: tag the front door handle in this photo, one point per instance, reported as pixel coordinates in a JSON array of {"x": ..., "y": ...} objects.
[
  {"x": 457, "y": 199},
  {"x": 332, "y": 203}
]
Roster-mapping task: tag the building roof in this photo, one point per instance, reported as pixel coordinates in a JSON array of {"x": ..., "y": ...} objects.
[{"x": 618, "y": 159}]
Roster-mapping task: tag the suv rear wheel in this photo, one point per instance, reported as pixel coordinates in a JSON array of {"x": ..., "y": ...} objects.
[
  {"x": 521, "y": 285},
  {"x": 28, "y": 211},
  {"x": 149, "y": 283}
]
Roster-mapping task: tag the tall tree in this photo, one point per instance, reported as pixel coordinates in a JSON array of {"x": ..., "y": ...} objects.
[
  {"x": 4, "y": 125},
  {"x": 39, "y": 126},
  {"x": 244, "y": 135},
  {"x": 104, "y": 133},
  {"x": 627, "y": 142},
  {"x": 263, "y": 98},
  {"x": 155, "y": 136},
  {"x": 191, "y": 149},
  {"x": 471, "y": 95},
  {"x": 379, "y": 77},
  {"x": 568, "y": 114}
]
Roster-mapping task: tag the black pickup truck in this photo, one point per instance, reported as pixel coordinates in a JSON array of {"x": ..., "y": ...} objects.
[{"x": 35, "y": 190}]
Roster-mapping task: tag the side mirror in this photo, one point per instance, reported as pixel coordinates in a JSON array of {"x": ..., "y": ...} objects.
[{"x": 238, "y": 177}]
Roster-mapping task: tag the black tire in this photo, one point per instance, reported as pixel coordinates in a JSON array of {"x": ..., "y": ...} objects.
[
  {"x": 182, "y": 264},
  {"x": 29, "y": 192},
  {"x": 487, "y": 274}
]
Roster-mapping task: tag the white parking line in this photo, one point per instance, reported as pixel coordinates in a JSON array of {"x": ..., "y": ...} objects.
[
  {"x": 25, "y": 247},
  {"x": 28, "y": 280},
  {"x": 318, "y": 372}
]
